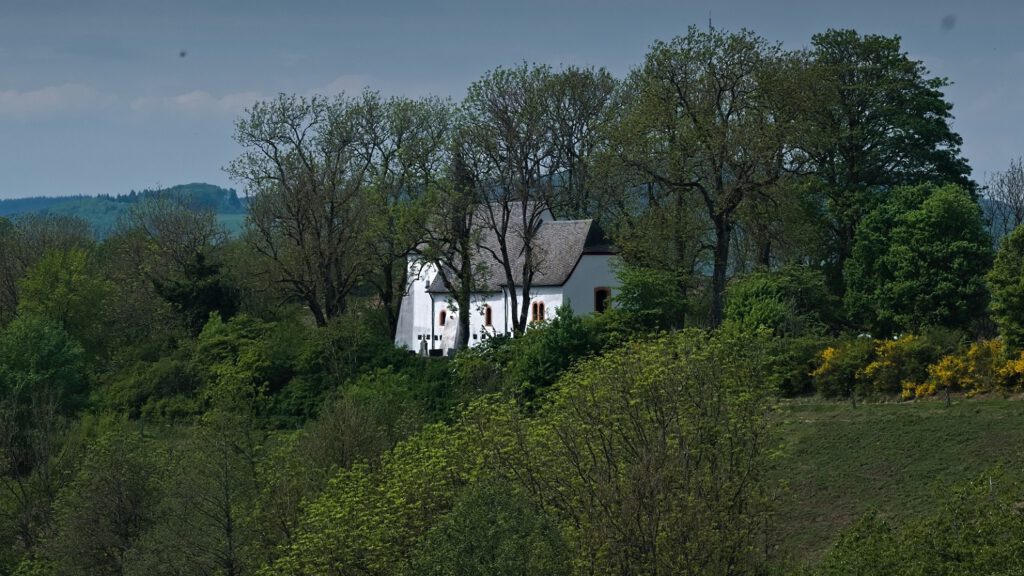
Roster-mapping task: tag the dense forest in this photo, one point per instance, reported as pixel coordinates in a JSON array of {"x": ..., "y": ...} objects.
[{"x": 793, "y": 228}]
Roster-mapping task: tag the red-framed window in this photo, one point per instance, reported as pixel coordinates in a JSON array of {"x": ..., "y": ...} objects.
[{"x": 537, "y": 311}]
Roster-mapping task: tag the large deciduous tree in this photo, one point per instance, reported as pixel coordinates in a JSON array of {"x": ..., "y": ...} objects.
[
  {"x": 1006, "y": 284},
  {"x": 307, "y": 214},
  {"x": 531, "y": 132},
  {"x": 404, "y": 144},
  {"x": 919, "y": 259},
  {"x": 451, "y": 229},
  {"x": 701, "y": 126},
  {"x": 177, "y": 247},
  {"x": 878, "y": 120},
  {"x": 507, "y": 127},
  {"x": 578, "y": 103}
]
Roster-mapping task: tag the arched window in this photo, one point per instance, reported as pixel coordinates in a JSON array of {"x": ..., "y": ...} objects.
[
  {"x": 488, "y": 317},
  {"x": 442, "y": 317},
  {"x": 601, "y": 299},
  {"x": 537, "y": 309}
]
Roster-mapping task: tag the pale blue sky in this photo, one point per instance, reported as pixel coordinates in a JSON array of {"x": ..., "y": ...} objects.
[{"x": 95, "y": 97}]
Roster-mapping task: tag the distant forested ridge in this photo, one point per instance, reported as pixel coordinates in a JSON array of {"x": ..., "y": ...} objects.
[{"x": 103, "y": 211}]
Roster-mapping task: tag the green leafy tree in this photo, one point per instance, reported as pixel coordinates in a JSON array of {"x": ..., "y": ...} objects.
[
  {"x": 494, "y": 528},
  {"x": 702, "y": 125},
  {"x": 173, "y": 241},
  {"x": 42, "y": 380},
  {"x": 103, "y": 511},
  {"x": 919, "y": 259},
  {"x": 529, "y": 135},
  {"x": 653, "y": 456},
  {"x": 1006, "y": 283},
  {"x": 303, "y": 166},
  {"x": 876, "y": 119},
  {"x": 205, "y": 522},
  {"x": 405, "y": 145},
  {"x": 64, "y": 287}
]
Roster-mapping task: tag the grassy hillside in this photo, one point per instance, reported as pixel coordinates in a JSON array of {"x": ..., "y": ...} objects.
[{"x": 840, "y": 462}]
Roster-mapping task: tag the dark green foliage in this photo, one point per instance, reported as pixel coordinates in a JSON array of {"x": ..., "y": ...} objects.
[
  {"x": 652, "y": 298},
  {"x": 165, "y": 390},
  {"x": 919, "y": 260},
  {"x": 367, "y": 418},
  {"x": 543, "y": 353},
  {"x": 977, "y": 531},
  {"x": 873, "y": 120},
  {"x": 790, "y": 302},
  {"x": 792, "y": 361},
  {"x": 102, "y": 513},
  {"x": 328, "y": 357},
  {"x": 796, "y": 307},
  {"x": 1006, "y": 283},
  {"x": 200, "y": 290},
  {"x": 526, "y": 366},
  {"x": 39, "y": 362},
  {"x": 493, "y": 529}
]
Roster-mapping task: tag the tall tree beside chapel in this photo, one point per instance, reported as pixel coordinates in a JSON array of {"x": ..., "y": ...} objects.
[{"x": 879, "y": 120}]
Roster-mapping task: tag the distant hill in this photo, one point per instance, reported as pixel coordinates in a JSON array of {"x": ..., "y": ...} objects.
[{"x": 102, "y": 212}]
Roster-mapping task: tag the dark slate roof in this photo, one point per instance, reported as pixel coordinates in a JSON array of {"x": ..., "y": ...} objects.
[{"x": 558, "y": 247}]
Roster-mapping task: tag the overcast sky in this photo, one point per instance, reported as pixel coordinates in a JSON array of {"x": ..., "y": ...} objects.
[{"x": 105, "y": 96}]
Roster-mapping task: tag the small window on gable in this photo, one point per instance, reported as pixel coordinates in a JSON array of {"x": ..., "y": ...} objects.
[
  {"x": 602, "y": 298},
  {"x": 442, "y": 317},
  {"x": 537, "y": 310},
  {"x": 488, "y": 317}
]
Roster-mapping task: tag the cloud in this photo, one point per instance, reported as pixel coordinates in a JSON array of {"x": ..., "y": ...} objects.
[
  {"x": 198, "y": 101},
  {"x": 52, "y": 100}
]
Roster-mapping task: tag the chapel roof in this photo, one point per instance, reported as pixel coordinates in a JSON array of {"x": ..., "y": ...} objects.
[{"x": 558, "y": 247}]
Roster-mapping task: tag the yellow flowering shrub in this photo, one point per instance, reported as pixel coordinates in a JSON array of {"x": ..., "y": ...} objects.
[
  {"x": 1011, "y": 374},
  {"x": 840, "y": 368},
  {"x": 980, "y": 369},
  {"x": 899, "y": 363}
]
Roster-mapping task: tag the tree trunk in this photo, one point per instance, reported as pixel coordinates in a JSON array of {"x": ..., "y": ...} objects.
[
  {"x": 718, "y": 278},
  {"x": 462, "y": 341},
  {"x": 391, "y": 299},
  {"x": 764, "y": 254}
]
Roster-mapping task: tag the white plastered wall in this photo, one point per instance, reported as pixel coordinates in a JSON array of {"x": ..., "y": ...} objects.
[
  {"x": 421, "y": 311},
  {"x": 593, "y": 271}
]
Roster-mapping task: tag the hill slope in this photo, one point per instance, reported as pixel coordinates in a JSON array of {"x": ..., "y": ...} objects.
[
  {"x": 841, "y": 462},
  {"x": 102, "y": 212}
]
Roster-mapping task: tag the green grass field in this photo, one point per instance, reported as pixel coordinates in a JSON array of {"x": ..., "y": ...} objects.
[{"x": 899, "y": 459}]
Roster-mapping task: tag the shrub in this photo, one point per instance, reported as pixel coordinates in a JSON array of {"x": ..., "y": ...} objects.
[
  {"x": 975, "y": 370},
  {"x": 655, "y": 299},
  {"x": 791, "y": 302},
  {"x": 840, "y": 371},
  {"x": 793, "y": 362},
  {"x": 904, "y": 361}
]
